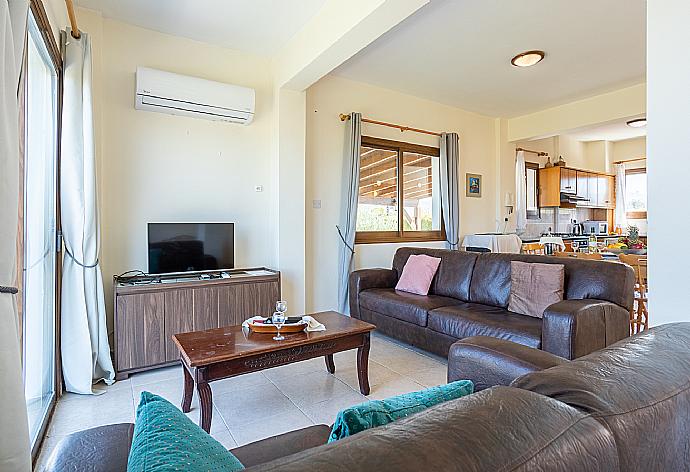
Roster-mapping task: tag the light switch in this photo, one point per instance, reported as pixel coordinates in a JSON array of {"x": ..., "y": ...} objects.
[
  {"x": 259, "y": 188},
  {"x": 316, "y": 204}
]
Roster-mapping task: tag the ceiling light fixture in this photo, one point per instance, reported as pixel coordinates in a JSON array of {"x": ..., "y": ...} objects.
[
  {"x": 527, "y": 58},
  {"x": 637, "y": 123}
]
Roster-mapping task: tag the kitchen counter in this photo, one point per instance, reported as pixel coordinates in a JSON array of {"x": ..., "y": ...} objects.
[{"x": 571, "y": 237}]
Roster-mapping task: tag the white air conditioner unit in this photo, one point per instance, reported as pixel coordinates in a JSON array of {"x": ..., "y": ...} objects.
[{"x": 176, "y": 94}]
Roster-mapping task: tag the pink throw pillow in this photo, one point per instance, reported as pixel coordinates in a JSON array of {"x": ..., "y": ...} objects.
[{"x": 418, "y": 273}]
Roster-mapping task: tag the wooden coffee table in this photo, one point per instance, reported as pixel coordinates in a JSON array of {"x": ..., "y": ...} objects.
[{"x": 220, "y": 353}]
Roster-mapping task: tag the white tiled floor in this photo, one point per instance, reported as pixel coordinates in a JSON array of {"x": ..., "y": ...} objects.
[{"x": 255, "y": 406}]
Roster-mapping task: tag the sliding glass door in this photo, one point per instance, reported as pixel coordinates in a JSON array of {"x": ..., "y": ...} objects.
[{"x": 40, "y": 216}]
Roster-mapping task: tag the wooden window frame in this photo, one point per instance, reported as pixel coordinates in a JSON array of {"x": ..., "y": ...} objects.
[
  {"x": 42, "y": 22},
  {"x": 400, "y": 236},
  {"x": 533, "y": 215},
  {"x": 636, "y": 215}
]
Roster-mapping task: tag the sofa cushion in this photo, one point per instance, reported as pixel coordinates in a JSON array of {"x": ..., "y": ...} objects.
[
  {"x": 162, "y": 436},
  {"x": 418, "y": 273},
  {"x": 402, "y": 305},
  {"x": 534, "y": 287},
  {"x": 374, "y": 413},
  {"x": 453, "y": 275},
  {"x": 473, "y": 319},
  {"x": 601, "y": 280}
]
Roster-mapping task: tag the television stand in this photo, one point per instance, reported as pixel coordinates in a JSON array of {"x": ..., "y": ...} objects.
[{"x": 150, "y": 309}]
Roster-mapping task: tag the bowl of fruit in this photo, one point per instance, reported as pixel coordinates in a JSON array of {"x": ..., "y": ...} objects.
[{"x": 630, "y": 244}]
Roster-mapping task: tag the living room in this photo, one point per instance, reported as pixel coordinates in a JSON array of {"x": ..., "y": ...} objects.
[{"x": 376, "y": 134}]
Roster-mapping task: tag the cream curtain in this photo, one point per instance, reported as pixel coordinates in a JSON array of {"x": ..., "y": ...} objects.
[
  {"x": 348, "y": 217},
  {"x": 620, "y": 217},
  {"x": 450, "y": 194},
  {"x": 520, "y": 193},
  {"x": 84, "y": 334},
  {"x": 14, "y": 428}
]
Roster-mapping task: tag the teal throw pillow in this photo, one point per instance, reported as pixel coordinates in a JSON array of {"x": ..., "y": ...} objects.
[
  {"x": 379, "y": 412},
  {"x": 166, "y": 440}
]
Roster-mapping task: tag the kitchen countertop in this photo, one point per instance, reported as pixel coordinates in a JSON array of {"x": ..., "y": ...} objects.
[{"x": 571, "y": 237}]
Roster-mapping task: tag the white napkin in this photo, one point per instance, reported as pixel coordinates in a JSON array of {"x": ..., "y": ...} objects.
[{"x": 312, "y": 324}]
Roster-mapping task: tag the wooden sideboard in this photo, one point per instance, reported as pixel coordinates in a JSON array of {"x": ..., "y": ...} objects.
[{"x": 150, "y": 309}]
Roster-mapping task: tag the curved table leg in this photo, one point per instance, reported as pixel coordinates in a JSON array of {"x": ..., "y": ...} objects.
[
  {"x": 330, "y": 364},
  {"x": 363, "y": 365},
  {"x": 206, "y": 401},
  {"x": 188, "y": 390}
]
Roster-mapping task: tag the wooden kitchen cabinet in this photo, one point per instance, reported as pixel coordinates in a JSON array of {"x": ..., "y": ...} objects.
[
  {"x": 568, "y": 182},
  {"x": 605, "y": 191},
  {"x": 598, "y": 189},
  {"x": 550, "y": 187},
  {"x": 582, "y": 182}
]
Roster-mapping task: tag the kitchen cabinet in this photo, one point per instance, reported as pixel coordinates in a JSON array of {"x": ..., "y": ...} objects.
[
  {"x": 557, "y": 183},
  {"x": 582, "y": 183},
  {"x": 605, "y": 189},
  {"x": 568, "y": 182}
]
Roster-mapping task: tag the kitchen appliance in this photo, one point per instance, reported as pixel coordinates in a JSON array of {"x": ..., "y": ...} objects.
[
  {"x": 578, "y": 230},
  {"x": 596, "y": 227}
]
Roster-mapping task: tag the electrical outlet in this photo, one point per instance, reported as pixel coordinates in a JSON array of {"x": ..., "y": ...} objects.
[
  {"x": 258, "y": 188},
  {"x": 316, "y": 204}
]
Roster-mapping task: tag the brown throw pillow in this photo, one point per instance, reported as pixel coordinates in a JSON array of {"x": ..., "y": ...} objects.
[{"x": 533, "y": 287}]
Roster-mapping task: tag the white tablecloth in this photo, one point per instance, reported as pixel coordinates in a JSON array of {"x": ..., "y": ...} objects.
[
  {"x": 552, "y": 240},
  {"x": 509, "y": 243}
]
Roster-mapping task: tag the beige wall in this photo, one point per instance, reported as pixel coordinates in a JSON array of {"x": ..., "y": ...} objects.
[
  {"x": 631, "y": 149},
  {"x": 157, "y": 167},
  {"x": 325, "y": 142}
]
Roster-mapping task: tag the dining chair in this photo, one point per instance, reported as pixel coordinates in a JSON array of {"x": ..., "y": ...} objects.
[
  {"x": 579, "y": 255},
  {"x": 533, "y": 248},
  {"x": 639, "y": 315}
]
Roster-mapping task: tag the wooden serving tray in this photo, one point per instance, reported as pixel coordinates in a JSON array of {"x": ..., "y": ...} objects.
[{"x": 271, "y": 329}]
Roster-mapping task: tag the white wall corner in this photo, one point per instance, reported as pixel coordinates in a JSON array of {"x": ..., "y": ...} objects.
[{"x": 337, "y": 32}]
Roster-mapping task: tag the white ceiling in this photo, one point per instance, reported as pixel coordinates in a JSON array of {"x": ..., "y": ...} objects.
[
  {"x": 254, "y": 26},
  {"x": 616, "y": 131},
  {"x": 458, "y": 52}
]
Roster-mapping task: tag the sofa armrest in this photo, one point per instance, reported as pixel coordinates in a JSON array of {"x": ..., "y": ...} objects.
[
  {"x": 365, "y": 279},
  {"x": 488, "y": 361},
  {"x": 101, "y": 449},
  {"x": 283, "y": 445},
  {"x": 574, "y": 328}
]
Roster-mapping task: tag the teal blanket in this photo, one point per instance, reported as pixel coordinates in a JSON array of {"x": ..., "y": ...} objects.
[{"x": 379, "y": 412}]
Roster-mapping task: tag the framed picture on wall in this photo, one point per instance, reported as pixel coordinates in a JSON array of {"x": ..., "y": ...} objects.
[{"x": 473, "y": 185}]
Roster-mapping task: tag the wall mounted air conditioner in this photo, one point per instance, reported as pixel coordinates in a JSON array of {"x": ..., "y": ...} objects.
[{"x": 176, "y": 94}]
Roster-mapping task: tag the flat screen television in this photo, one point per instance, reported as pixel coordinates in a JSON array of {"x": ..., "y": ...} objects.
[{"x": 186, "y": 247}]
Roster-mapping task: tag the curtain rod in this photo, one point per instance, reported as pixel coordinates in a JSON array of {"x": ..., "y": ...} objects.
[
  {"x": 538, "y": 153},
  {"x": 76, "y": 34},
  {"x": 344, "y": 117},
  {"x": 630, "y": 160}
]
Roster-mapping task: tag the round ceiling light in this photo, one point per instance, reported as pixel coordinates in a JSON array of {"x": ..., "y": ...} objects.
[
  {"x": 637, "y": 123},
  {"x": 527, "y": 58}
]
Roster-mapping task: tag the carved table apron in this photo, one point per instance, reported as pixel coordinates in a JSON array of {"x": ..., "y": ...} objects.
[{"x": 202, "y": 376}]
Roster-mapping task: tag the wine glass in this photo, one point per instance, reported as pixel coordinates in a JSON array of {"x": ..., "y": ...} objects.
[
  {"x": 575, "y": 245},
  {"x": 281, "y": 306},
  {"x": 278, "y": 319}
]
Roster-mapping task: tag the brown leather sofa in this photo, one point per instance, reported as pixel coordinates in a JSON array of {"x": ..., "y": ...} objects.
[
  {"x": 469, "y": 297},
  {"x": 623, "y": 408}
]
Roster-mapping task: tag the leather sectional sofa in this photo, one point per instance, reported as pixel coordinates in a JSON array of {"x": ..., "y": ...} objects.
[
  {"x": 469, "y": 297},
  {"x": 623, "y": 408}
]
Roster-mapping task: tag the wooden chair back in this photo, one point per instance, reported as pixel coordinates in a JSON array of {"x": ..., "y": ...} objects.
[
  {"x": 639, "y": 315},
  {"x": 533, "y": 248}
]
